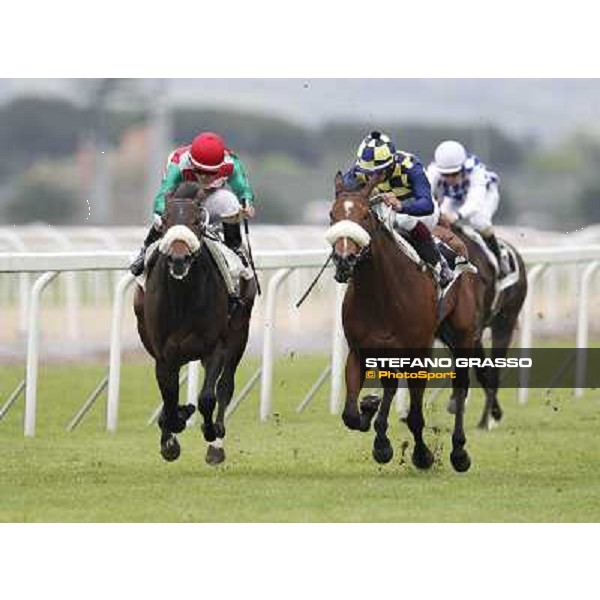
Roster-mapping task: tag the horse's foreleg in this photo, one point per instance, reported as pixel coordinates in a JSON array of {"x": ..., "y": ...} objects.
[
  {"x": 172, "y": 418},
  {"x": 422, "y": 457},
  {"x": 488, "y": 379},
  {"x": 353, "y": 419},
  {"x": 207, "y": 399},
  {"x": 502, "y": 331},
  {"x": 382, "y": 448},
  {"x": 460, "y": 388}
]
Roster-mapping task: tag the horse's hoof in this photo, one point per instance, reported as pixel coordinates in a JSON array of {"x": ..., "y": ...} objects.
[
  {"x": 185, "y": 412},
  {"x": 214, "y": 455},
  {"x": 451, "y": 408},
  {"x": 497, "y": 413},
  {"x": 210, "y": 435},
  {"x": 460, "y": 461},
  {"x": 369, "y": 404},
  {"x": 422, "y": 459},
  {"x": 351, "y": 421},
  {"x": 487, "y": 423},
  {"x": 170, "y": 450},
  {"x": 383, "y": 451}
]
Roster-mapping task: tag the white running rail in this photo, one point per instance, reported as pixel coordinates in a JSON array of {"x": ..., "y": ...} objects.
[{"x": 49, "y": 265}]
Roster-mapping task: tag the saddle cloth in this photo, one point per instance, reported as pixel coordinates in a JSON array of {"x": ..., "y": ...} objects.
[
  {"x": 229, "y": 264},
  {"x": 513, "y": 276}
]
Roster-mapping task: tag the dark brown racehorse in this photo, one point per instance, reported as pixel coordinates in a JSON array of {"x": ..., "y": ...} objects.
[
  {"x": 501, "y": 319},
  {"x": 391, "y": 303},
  {"x": 183, "y": 316}
]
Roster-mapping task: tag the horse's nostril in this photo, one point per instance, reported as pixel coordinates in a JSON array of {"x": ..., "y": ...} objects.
[{"x": 178, "y": 265}]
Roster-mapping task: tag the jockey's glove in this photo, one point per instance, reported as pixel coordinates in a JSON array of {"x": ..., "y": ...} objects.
[{"x": 156, "y": 221}]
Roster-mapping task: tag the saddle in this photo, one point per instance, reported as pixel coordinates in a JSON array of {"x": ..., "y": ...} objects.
[{"x": 457, "y": 263}]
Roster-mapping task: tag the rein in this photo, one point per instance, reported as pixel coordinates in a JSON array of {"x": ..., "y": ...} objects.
[{"x": 362, "y": 254}]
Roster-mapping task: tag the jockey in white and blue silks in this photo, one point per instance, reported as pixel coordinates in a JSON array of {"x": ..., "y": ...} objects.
[{"x": 466, "y": 191}]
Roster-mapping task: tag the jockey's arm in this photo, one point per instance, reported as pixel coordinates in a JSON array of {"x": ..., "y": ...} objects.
[
  {"x": 422, "y": 204},
  {"x": 239, "y": 183},
  {"x": 172, "y": 178},
  {"x": 352, "y": 179},
  {"x": 475, "y": 196}
]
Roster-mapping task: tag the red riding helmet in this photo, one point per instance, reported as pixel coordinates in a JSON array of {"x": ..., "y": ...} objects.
[{"x": 208, "y": 152}]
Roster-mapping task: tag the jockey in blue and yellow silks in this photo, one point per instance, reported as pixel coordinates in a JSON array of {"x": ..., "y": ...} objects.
[{"x": 405, "y": 188}]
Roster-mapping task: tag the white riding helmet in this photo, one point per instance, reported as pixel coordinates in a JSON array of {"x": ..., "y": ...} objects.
[{"x": 449, "y": 157}]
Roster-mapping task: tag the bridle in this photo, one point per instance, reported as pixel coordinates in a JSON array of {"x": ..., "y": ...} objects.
[
  {"x": 192, "y": 237},
  {"x": 345, "y": 266}
]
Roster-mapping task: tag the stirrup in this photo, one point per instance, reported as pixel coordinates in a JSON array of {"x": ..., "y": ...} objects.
[{"x": 444, "y": 276}]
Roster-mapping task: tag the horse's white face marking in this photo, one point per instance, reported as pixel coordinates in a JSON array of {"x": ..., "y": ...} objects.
[
  {"x": 345, "y": 246},
  {"x": 348, "y": 206}
]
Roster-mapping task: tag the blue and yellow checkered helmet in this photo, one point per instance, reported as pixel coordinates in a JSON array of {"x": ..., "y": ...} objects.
[{"x": 375, "y": 152}]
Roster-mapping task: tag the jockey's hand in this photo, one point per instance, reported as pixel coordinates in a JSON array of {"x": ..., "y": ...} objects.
[
  {"x": 247, "y": 211},
  {"x": 451, "y": 217},
  {"x": 390, "y": 199}
]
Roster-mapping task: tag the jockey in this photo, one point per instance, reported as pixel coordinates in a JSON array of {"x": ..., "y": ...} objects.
[
  {"x": 208, "y": 162},
  {"x": 406, "y": 190},
  {"x": 467, "y": 191}
]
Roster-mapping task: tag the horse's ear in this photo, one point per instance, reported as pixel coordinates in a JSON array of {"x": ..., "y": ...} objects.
[
  {"x": 339, "y": 182},
  {"x": 374, "y": 181}
]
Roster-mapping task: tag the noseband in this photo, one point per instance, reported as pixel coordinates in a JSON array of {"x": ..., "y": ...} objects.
[{"x": 350, "y": 229}]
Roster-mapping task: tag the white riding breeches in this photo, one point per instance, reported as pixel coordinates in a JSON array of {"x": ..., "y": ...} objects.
[
  {"x": 222, "y": 205},
  {"x": 404, "y": 222}
]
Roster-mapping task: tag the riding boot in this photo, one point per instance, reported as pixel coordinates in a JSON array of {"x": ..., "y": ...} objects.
[
  {"x": 492, "y": 244},
  {"x": 154, "y": 233},
  {"x": 428, "y": 251},
  {"x": 232, "y": 235}
]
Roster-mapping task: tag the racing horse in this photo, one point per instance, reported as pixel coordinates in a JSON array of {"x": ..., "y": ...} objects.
[
  {"x": 498, "y": 310},
  {"x": 183, "y": 315},
  {"x": 391, "y": 303}
]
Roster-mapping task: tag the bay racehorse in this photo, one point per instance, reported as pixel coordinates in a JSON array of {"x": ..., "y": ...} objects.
[
  {"x": 183, "y": 315},
  {"x": 499, "y": 312},
  {"x": 391, "y": 303}
]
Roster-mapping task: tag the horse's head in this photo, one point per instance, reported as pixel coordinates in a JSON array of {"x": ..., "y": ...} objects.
[
  {"x": 352, "y": 224},
  {"x": 184, "y": 222}
]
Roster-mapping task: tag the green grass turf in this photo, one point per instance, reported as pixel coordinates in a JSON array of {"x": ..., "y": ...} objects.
[{"x": 541, "y": 464}]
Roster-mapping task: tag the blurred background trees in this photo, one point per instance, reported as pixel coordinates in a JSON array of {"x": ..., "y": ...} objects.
[{"x": 58, "y": 155}]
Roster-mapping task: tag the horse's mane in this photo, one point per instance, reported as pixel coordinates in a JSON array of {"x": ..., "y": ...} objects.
[{"x": 187, "y": 189}]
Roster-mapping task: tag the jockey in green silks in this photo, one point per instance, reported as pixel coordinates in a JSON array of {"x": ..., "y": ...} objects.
[{"x": 210, "y": 163}]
